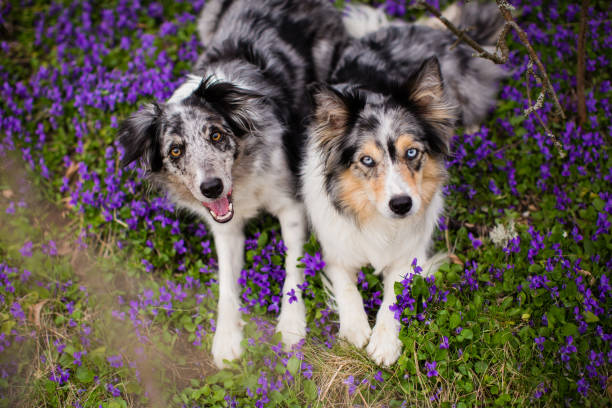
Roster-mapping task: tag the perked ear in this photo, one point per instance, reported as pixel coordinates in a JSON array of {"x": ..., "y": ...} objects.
[
  {"x": 427, "y": 85},
  {"x": 139, "y": 136},
  {"x": 426, "y": 92},
  {"x": 335, "y": 112},
  {"x": 230, "y": 101}
]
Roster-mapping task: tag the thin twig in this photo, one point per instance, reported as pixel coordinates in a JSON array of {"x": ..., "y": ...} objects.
[
  {"x": 322, "y": 397},
  {"x": 533, "y": 108},
  {"x": 505, "y": 9},
  {"x": 462, "y": 35}
]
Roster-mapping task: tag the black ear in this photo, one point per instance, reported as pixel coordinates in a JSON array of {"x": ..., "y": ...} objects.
[
  {"x": 139, "y": 136},
  {"x": 425, "y": 90},
  {"x": 336, "y": 112},
  {"x": 232, "y": 102}
]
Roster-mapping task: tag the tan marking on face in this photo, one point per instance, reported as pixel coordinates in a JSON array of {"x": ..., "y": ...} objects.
[
  {"x": 426, "y": 181},
  {"x": 354, "y": 194},
  {"x": 362, "y": 186},
  {"x": 433, "y": 177},
  {"x": 374, "y": 177},
  {"x": 405, "y": 142},
  {"x": 430, "y": 176}
]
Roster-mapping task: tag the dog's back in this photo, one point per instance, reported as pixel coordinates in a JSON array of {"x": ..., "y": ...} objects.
[
  {"x": 292, "y": 42},
  {"x": 392, "y": 51}
]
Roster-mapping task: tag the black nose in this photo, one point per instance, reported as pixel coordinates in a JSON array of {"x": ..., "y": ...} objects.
[
  {"x": 212, "y": 187},
  {"x": 401, "y": 204}
]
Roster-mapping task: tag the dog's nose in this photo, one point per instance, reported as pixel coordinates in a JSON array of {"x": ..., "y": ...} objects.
[
  {"x": 212, "y": 187},
  {"x": 401, "y": 204}
]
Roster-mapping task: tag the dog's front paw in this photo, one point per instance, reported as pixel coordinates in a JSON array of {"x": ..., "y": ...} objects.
[
  {"x": 385, "y": 346},
  {"x": 356, "y": 330},
  {"x": 226, "y": 345},
  {"x": 292, "y": 325}
]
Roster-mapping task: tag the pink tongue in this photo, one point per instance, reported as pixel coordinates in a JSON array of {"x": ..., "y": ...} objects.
[{"x": 220, "y": 206}]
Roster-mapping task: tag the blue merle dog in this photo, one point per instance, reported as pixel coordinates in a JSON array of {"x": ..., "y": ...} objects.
[{"x": 227, "y": 144}]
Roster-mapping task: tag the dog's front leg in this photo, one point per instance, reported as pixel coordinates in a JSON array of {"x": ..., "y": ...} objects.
[
  {"x": 229, "y": 241},
  {"x": 292, "y": 318},
  {"x": 354, "y": 325},
  {"x": 385, "y": 346}
]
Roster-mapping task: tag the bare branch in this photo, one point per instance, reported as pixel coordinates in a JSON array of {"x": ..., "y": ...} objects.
[
  {"x": 505, "y": 8},
  {"x": 533, "y": 108},
  {"x": 462, "y": 35}
]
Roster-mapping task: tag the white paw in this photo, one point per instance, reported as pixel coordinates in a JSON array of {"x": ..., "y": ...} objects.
[
  {"x": 385, "y": 346},
  {"x": 356, "y": 330},
  {"x": 226, "y": 345},
  {"x": 292, "y": 324}
]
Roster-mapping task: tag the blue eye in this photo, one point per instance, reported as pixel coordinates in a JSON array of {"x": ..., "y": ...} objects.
[
  {"x": 367, "y": 161},
  {"x": 411, "y": 153}
]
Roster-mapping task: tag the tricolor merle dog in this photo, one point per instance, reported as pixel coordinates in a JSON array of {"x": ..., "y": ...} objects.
[{"x": 374, "y": 167}]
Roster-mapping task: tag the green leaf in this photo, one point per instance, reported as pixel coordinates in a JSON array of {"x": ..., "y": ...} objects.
[
  {"x": 84, "y": 375},
  {"x": 293, "y": 365},
  {"x": 277, "y": 260},
  {"x": 503, "y": 399},
  {"x": 599, "y": 204},
  {"x": 7, "y": 326},
  {"x": 570, "y": 329},
  {"x": 262, "y": 240},
  {"x": 480, "y": 367},
  {"x": 455, "y": 320},
  {"x": 467, "y": 334},
  {"x": 477, "y": 301},
  {"x": 310, "y": 390}
]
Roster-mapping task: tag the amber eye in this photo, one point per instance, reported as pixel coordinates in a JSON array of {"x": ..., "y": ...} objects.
[
  {"x": 176, "y": 152},
  {"x": 216, "y": 136}
]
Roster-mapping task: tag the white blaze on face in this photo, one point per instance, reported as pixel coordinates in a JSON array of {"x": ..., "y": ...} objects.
[
  {"x": 395, "y": 182},
  {"x": 396, "y": 186}
]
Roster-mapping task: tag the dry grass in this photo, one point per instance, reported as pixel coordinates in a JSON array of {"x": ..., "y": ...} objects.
[
  {"x": 104, "y": 277},
  {"x": 332, "y": 367}
]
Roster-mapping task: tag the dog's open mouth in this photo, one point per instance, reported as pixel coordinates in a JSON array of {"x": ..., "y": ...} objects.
[{"x": 222, "y": 209}]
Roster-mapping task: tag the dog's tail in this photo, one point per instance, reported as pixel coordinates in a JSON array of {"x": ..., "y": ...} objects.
[
  {"x": 480, "y": 20},
  {"x": 361, "y": 20}
]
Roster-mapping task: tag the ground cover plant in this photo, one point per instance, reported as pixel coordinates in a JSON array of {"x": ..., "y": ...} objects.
[{"x": 107, "y": 294}]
